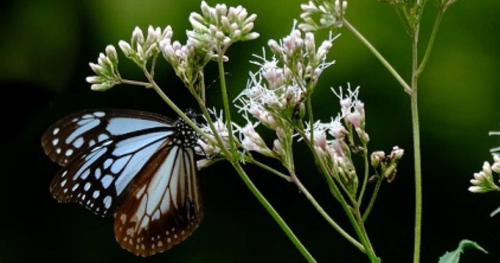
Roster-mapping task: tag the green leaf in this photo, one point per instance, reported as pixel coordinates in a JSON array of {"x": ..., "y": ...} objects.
[{"x": 454, "y": 256}]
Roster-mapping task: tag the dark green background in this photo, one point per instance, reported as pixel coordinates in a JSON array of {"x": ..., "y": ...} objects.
[{"x": 44, "y": 50}]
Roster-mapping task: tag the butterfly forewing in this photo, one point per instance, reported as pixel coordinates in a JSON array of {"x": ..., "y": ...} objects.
[
  {"x": 165, "y": 207},
  {"x": 75, "y": 133}
]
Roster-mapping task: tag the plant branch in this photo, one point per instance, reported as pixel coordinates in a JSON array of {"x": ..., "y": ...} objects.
[
  {"x": 225, "y": 99},
  {"x": 416, "y": 148},
  {"x": 367, "y": 173},
  {"x": 373, "y": 198},
  {"x": 432, "y": 39},
  {"x": 313, "y": 201},
  {"x": 377, "y": 54},
  {"x": 135, "y": 83},
  {"x": 269, "y": 169},
  {"x": 311, "y": 117},
  {"x": 273, "y": 213}
]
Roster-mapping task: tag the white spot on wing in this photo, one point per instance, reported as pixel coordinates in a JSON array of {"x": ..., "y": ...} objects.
[
  {"x": 78, "y": 142},
  {"x": 107, "y": 202},
  {"x": 99, "y": 114},
  {"x": 106, "y": 181},
  {"x": 69, "y": 152}
]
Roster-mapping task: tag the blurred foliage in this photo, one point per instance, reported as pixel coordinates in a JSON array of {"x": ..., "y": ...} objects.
[{"x": 44, "y": 55}]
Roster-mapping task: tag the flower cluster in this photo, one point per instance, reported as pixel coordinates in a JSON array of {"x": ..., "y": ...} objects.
[
  {"x": 252, "y": 141},
  {"x": 303, "y": 62},
  {"x": 353, "y": 112},
  {"x": 141, "y": 49},
  {"x": 385, "y": 166},
  {"x": 218, "y": 27},
  {"x": 335, "y": 142},
  {"x": 275, "y": 93},
  {"x": 328, "y": 13},
  {"x": 483, "y": 181},
  {"x": 187, "y": 60},
  {"x": 106, "y": 70},
  {"x": 331, "y": 144}
]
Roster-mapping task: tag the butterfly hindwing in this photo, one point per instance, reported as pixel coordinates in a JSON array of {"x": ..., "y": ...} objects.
[
  {"x": 165, "y": 206},
  {"x": 75, "y": 133}
]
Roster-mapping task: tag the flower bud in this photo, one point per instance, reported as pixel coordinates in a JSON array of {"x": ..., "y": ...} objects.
[
  {"x": 275, "y": 48},
  {"x": 98, "y": 69},
  {"x": 112, "y": 55},
  {"x": 377, "y": 158},
  {"x": 251, "y": 36},
  {"x": 101, "y": 87},
  {"x": 137, "y": 37},
  {"x": 94, "y": 80}
]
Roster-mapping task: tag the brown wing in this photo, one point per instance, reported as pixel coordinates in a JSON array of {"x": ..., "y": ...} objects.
[{"x": 165, "y": 205}]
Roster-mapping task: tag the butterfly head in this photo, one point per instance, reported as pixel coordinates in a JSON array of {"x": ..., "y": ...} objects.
[{"x": 185, "y": 136}]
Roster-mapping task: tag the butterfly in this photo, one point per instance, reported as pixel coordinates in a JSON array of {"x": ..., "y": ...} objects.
[{"x": 137, "y": 166}]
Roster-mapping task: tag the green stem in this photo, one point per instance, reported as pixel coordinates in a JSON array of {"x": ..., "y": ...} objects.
[
  {"x": 311, "y": 117},
  {"x": 326, "y": 216},
  {"x": 416, "y": 148},
  {"x": 135, "y": 83},
  {"x": 225, "y": 99},
  {"x": 269, "y": 169},
  {"x": 273, "y": 213},
  {"x": 367, "y": 173},
  {"x": 377, "y": 54},
  {"x": 153, "y": 66},
  {"x": 311, "y": 199},
  {"x": 373, "y": 199},
  {"x": 210, "y": 122},
  {"x": 368, "y": 244},
  {"x": 432, "y": 39}
]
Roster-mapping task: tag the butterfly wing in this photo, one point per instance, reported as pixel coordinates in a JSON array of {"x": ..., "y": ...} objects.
[
  {"x": 165, "y": 206},
  {"x": 75, "y": 133},
  {"x": 117, "y": 146}
]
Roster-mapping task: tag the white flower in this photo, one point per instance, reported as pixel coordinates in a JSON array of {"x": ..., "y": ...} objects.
[
  {"x": 106, "y": 70},
  {"x": 330, "y": 14},
  {"x": 483, "y": 181},
  {"x": 141, "y": 49},
  {"x": 218, "y": 27}
]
